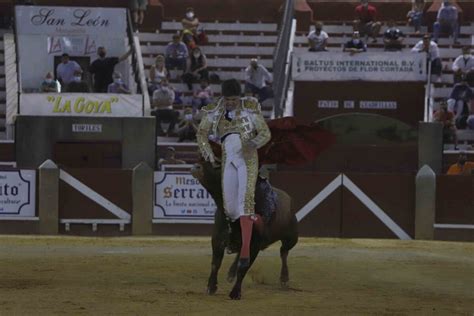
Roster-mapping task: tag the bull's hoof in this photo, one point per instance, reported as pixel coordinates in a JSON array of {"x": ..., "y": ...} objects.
[
  {"x": 235, "y": 294},
  {"x": 211, "y": 289}
]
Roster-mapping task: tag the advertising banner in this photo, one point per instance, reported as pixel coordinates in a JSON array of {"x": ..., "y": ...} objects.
[
  {"x": 179, "y": 197},
  {"x": 17, "y": 193},
  {"x": 81, "y": 104},
  {"x": 59, "y": 21},
  {"x": 386, "y": 66}
]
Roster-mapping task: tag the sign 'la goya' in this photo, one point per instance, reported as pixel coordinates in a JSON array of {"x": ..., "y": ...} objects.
[
  {"x": 81, "y": 104},
  {"x": 180, "y": 197},
  {"x": 17, "y": 193}
]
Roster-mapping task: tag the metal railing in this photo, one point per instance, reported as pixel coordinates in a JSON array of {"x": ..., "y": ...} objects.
[{"x": 280, "y": 59}]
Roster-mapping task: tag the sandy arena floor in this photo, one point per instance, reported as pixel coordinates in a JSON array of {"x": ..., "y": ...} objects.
[{"x": 160, "y": 276}]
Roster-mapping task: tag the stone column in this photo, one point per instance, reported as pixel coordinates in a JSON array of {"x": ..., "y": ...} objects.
[
  {"x": 142, "y": 195},
  {"x": 48, "y": 198},
  {"x": 430, "y": 145},
  {"x": 425, "y": 209}
]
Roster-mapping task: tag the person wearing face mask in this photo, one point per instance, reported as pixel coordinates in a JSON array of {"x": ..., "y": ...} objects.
[
  {"x": 447, "y": 21},
  {"x": 430, "y": 48},
  {"x": 77, "y": 84},
  {"x": 365, "y": 22},
  {"x": 187, "y": 128},
  {"x": 256, "y": 79},
  {"x": 197, "y": 69},
  {"x": 65, "y": 70},
  {"x": 355, "y": 45},
  {"x": 157, "y": 73},
  {"x": 118, "y": 86},
  {"x": 202, "y": 96},
  {"x": 190, "y": 25},
  {"x": 103, "y": 68},
  {"x": 415, "y": 15},
  {"x": 464, "y": 66},
  {"x": 49, "y": 84},
  {"x": 238, "y": 125},
  {"x": 176, "y": 54},
  {"x": 318, "y": 39},
  {"x": 462, "y": 166},
  {"x": 162, "y": 105}
]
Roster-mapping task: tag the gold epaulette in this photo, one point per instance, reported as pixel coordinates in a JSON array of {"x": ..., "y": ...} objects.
[
  {"x": 210, "y": 107},
  {"x": 251, "y": 104}
]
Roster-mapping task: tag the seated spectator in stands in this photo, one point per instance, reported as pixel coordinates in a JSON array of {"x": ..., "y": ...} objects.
[
  {"x": 393, "y": 38},
  {"x": 447, "y": 21},
  {"x": 118, "y": 86},
  {"x": 197, "y": 68},
  {"x": 188, "y": 126},
  {"x": 464, "y": 66},
  {"x": 202, "y": 96},
  {"x": 170, "y": 158},
  {"x": 459, "y": 103},
  {"x": 446, "y": 118},
  {"x": 138, "y": 8},
  {"x": 256, "y": 79},
  {"x": 176, "y": 54},
  {"x": 190, "y": 25},
  {"x": 49, "y": 84},
  {"x": 415, "y": 15},
  {"x": 65, "y": 70},
  {"x": 318, "y": 39},
  {"x": 430, "y": 48},
  {"x": 355, "y": 45},
  {"x": 366, "y": 20},
  {"x": 462, "y": 167},
  {"x": 103, "y": 68},
  {"x": 77, "y": 84},
  {"x": 158, "y": 72},
  {"x": 162, "y": 102}
]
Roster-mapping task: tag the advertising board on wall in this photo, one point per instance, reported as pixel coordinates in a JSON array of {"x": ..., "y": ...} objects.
[
  {"x": 386, "y": 66},
  {"x": 17, "y": 193},
  {"x": 81, "y": 104},
  {"x": 180, "y": 198}
]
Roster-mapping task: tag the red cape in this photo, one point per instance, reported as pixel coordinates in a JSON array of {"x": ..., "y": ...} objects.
[{"x": 291, "y": 143}]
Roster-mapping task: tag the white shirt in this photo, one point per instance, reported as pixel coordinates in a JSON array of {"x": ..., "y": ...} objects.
[
  {"x": 433, "y": 50},
  {"x": 257, "y": 77},
  {"x": 317, "y": 40},
  {"x": 462, "y": 64},
  {"x": 65, "y": 72}
]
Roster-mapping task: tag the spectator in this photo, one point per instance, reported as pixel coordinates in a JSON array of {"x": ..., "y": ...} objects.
[
  {"x": 393, "y": 38},
  {"x": 158, "y": 72},
  {"x": 176, "y": 54},
  {"x": 459, "y": 102},
  {"x": 318, "y": 39},
  {"x": 415, "y": 15},
  {"x": 431, "y": 49},
  {"x": 256, "y": 79},
  {"x": 138, "y": 11},
  {"x": 447, "y": 21},
  {"x": 464, "y": 66},
  {"x": 462, "y": 167},
  {"x": 355, "y": 45},
  {"x": 77, "y": 84},
  {"x": 446, "y": 118},
  {"x": 49, "y": 84},
  {"x": 65, "y": 70},
  {"x": 190, "y": 24},
  {"x": 118, "y": 86},
  {"x": 365, "y": 22},
  {"x": 103, "y": 68},
  {"x": 170, "y": 158},
  {"x": 162, "y": 101},
  {"x": 202, "y": 96},
  {"x": 197, "y": 68},
  {"x": 188, "y": 126}
]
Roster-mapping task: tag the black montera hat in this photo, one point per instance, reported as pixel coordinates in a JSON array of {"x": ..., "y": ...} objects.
[{"x": 231, "y": 88}]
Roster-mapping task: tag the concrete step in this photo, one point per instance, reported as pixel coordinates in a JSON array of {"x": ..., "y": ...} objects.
[{"x": 261, "y": 27}]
